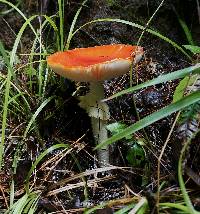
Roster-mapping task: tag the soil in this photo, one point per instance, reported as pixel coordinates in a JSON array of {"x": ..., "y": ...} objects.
[{"x": 70, "y": 124}]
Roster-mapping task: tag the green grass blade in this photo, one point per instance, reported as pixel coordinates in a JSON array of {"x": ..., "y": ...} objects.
[
  {"x": 43, "y": 73},
  {"x": 36, "y": 114},
  {"x": 5, "y": 104},
  {"x": 125, "y": 209},
  {"x": 51, "y": 22},
  {"x": 18, "y": 38},
  {"x": 182, "y": 184},
  {"x": 5, "y": 57},
  {"x": 13, "y": 99},
  {"x": 174, "y": 205},
  {"x": 60, "y": 12},
  {"x": 180, "y": 89},
  {"x": 39, "y": 158},
  {"x": 14, "y": 7},
  {"x": 5, "y": 12},
  {"x": 19, "y": 206},
  {"x": 32, "y": 199},
  {"x": 175, "y": 45},
  {"x": 55, "y": 28},
  {"x": 146, "y": 121},
  {"x": 70, "y": 35},
  {"x": 24, "y": 204},
  {"x": 18, "y": 90},
  {"x": 186, "y": 30},
  {"x": 41, "y": 62},
  {"x": 161, "y": 79},
  {"x": 27, "y": 22},
  {"x": 30, "y": 70},
  {"x": 3, "y": 83},
  {"x": 19, "y": 11},
  {"x": 33, "y": 207},
  {"x": 194, "y": 49},
  {"x": 37, "y": 38}
]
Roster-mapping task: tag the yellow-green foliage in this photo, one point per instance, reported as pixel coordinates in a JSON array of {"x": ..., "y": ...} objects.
[{"x": 111, "y": 2}]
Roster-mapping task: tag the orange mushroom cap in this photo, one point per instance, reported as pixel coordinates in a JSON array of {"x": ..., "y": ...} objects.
[{"x": 94, "y": 64}]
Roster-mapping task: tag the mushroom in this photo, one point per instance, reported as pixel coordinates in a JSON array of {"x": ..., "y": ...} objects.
[{"x": 94, "y": 65}]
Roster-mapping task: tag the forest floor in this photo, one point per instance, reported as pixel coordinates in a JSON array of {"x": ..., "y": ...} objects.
[{"x": 144, "y": 166}]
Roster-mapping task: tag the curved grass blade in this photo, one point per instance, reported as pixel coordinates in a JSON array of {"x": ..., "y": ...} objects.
[
  {"x": 25, "y": 204},
  {"x": 14, "y": 7},
  {"x": 50, "y": 21},
  {"x": 148, "y": 120},
  {"x": 161, "y": 79},
  {"x": 6, "y": 102},
  {"x": 155, "y": 33},
  {"x": 19, "y": 11},
  {"x": 181, "y": 181},
  {"x": 186, "y": 30},
  {"x": 27, "y": 22},
  {"x": 41, "y": 62},
  {"x": 36, "y": 114},
  {"x": 33, "y": 201},
  {"x": 39, "y": 158},
  {"x": 34, "y": 205},
  {"x": 193, "y": 48},
  {"x": 18, "y": 38},
  {"x": 174, "y": 205},
  {"x": 19, "y": 35},
  {"x": 5, "y": 12},
  {"x": 70, "y": 35},
  {"x": 180, "y": 89},
  {"x": 18, "y": 90},
  {"x": 21, "y": 204},
  {"x": 125, "y": 209}
]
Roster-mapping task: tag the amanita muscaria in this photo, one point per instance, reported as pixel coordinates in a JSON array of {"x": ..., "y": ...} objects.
[{"x": 94, "y": 65}]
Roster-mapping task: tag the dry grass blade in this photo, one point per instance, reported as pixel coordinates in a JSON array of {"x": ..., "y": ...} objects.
[
  {"x": 90, "y": 183},
  {"x": 3, "y": 195},
  {"x": 86, "y": 173},
  {"x": 118, "y": 202},
  {"x": 161, "y": 155}
]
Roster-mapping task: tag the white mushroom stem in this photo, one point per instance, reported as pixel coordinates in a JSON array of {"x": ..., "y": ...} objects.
[
  {"x": 99, "y": 114},
  {"x": 100, "y": 135}
]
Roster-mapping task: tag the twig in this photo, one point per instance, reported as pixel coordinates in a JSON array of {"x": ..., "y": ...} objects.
[
  {"x": 6, "y": 202},
  {"x": 160, "y": 157}
]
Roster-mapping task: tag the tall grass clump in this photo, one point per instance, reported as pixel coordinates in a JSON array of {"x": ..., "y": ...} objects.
[{"x": 22, "y": 103}]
